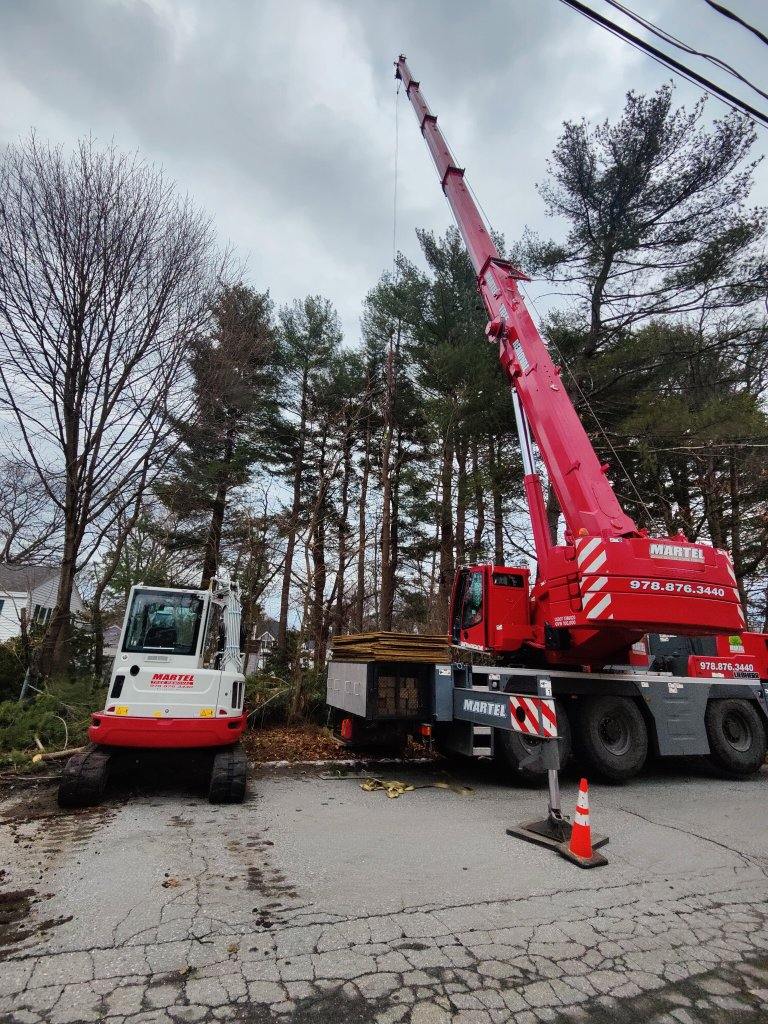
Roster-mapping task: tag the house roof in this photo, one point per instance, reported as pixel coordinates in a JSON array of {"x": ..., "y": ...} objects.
[{"x": 18, "y": 579}]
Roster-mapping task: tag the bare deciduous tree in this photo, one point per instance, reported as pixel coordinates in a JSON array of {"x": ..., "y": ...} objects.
[
  {"x": 29, "y": 520},
  {"x": 105, "y": 274}
]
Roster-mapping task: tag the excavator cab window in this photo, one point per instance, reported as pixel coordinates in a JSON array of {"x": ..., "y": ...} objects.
[{"x": 167, "y": 622}]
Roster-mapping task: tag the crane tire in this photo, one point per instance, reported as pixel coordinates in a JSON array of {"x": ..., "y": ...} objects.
[
  {"x": 511, "y": 748},
  {"x": 737, "y": 735},
  {"x": 611, "y": 737},
  {"x": 84, "y": 778},
  {"x": 228, "y": 776}
]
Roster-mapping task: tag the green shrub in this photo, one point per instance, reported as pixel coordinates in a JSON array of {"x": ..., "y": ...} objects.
[
  {"x": 270, "y": 698},
  {"x": 60, "y": 713}
]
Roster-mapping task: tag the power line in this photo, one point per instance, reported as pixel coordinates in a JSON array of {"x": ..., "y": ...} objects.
[
  {"x": 735, "y": 17},
  {"x": 669, "y": 62},
  {"x": 681, "y": 45}
]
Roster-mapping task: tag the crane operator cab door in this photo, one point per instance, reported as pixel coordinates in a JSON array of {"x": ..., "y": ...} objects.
[
  {"x": 490, "y": 609},
  {"x": 468, "y": 608}
]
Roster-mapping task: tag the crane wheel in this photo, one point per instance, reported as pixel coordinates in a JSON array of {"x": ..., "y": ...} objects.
[
  {"x": 228, "y": 776},
  {"x": 737, "y": 735},
  {"x": 612, "y": 737},
  {"x": 511, "y": 749},
  {"x": 84, "y": 778}
]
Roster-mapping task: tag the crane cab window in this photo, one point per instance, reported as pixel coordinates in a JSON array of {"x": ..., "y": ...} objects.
[
  {"x": 472, "y": 612},
  {"x": 507, "y": 579},
  {"x": 163, "y": 622}
]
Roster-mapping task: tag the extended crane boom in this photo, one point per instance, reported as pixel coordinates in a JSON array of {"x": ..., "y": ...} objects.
[
  {"x": 585, "y": 495},
  {"x": 609, "y": 583}
]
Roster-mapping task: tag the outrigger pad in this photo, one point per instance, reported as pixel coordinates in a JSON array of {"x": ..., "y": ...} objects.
[
  {"x": 552, "y": 833},
  {"x": 597, "y": 860}
]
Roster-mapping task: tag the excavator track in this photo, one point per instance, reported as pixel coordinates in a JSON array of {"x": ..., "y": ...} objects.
[
  {"x": 84, "y": 778},
  {"x": 228, "y": 776}
]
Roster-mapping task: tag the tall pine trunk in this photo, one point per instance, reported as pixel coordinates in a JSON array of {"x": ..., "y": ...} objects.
[
  {"x": 341, "y": 565},
  {"x": 387, "y": 561},
  {"x": 319, "y": 567},
  {"x": 736, "y": 551},
  {"x": 216, "y": 525},
  {"x": 477, "y": 486},
  {"x": 293, "y": 522},
  {"x": 361, "y": 530},
  {"x": 446, "y": 563},
  {"x": 461, "y": 499},
  {"x": 496, "y": 503}
]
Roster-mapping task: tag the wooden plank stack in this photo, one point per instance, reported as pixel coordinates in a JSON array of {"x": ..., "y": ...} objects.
[{"x": 392, "y": 647}]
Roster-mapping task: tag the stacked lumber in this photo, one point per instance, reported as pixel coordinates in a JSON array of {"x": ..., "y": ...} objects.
[{"x": 383, "y": 646}]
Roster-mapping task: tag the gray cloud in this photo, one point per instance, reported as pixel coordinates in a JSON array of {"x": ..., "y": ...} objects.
[{"x": 279, "y": 117}]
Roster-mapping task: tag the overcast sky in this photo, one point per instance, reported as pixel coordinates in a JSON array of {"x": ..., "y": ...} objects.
[{"x": 278, "y": 117}]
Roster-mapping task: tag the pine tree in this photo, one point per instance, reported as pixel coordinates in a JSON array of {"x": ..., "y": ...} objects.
[{"x": 234, "y": 388}]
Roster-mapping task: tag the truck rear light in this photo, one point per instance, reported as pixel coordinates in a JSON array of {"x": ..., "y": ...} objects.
[
  {"x": 346, "y": 729},
  {"x": 425, "y": 731},
  {"x": 111, "y": 708},
  {"x": 222, "y": 711}
]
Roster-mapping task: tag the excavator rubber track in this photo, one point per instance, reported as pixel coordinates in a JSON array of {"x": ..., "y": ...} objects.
[
  {"x": 84, "y": 778},
  {"x": 228, "y": 776}
]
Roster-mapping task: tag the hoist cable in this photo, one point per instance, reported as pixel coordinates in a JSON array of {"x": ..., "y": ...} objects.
[
  {"x": 394, "y": 195},
  {"x": 593, "y": 414}
]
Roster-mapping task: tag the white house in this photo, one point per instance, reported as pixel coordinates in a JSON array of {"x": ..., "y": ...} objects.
[
  {"x": 33, "y": 587},
  {"x": 262, "y": 643}
]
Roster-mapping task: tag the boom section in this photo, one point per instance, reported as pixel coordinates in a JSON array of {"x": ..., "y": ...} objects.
[{"x": 585, "y": 495}]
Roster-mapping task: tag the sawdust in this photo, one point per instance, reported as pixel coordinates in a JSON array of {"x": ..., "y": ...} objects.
[{"x": 293, "y": 743}]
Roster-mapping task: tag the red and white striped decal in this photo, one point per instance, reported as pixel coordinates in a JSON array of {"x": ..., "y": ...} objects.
[
  {"x": 534, "y": 716},
  {"x": 591, "y": 555},
  {"x": 732, "y": 574}
]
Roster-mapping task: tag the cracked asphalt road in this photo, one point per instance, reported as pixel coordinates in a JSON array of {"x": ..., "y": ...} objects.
[{"x": 318, "y": 902}]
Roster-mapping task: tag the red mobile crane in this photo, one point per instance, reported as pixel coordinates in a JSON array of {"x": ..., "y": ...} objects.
[
  {"x": 609, "y": 583},
  {"x": 578, "y": 634}
]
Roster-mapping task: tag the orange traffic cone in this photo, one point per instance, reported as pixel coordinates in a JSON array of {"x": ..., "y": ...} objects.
[{"x": 580, "y": 849}]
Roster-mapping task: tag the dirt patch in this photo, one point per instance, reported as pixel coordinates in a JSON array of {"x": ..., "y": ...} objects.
[{"x": 25, "y": 803}]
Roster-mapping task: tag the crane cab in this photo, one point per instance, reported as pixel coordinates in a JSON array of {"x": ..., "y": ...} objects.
[
  {"x": 172, "y": 683},
  {"x": 490, "y": 608}
]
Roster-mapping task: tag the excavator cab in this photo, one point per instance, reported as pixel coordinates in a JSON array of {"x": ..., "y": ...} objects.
[
  {"x": 490, "y": 608},
  {"x": 177, "y": 683}
]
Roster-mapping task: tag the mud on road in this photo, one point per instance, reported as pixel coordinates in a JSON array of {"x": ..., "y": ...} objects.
[{"x": 318, "y": 902}]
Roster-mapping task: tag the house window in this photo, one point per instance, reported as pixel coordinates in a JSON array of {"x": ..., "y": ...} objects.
[{"x": 41, "y": 615}]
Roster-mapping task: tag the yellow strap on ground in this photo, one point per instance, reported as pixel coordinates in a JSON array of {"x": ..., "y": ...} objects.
[{"x": 394, "y": 788}]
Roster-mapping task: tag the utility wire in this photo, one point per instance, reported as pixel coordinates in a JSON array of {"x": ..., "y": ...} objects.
[
  {"x": 681, "y": 45},
  {"x": 669, "y": 62},
  {"x": 735, "y": 17}
]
